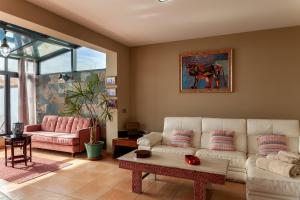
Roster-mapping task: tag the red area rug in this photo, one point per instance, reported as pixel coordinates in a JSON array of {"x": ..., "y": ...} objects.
[{"x": 21, "y": 173}]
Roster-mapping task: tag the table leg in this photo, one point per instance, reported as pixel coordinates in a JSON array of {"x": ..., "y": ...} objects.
[
  {"x": 30, "y": 153},
  {"x": 25, "y": 153},
  {"x": 12, "y": 155},
  {"x": 137, "y": 181},
  {"x": 5, "y": 155},
  {"x": 199, "y": 190}
]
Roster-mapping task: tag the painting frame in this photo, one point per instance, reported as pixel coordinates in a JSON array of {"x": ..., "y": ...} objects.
[
  {"x": 111, "y": 80},
  {"x": 111, "y": 92},
  {"x": 229, "y": 75},
  {"x": 112, "y": 103}
]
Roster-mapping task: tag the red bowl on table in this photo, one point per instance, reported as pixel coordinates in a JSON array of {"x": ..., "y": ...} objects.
[{"x": 192, "y": 160}]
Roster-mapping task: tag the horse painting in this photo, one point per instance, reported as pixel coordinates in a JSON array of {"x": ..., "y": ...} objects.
[
  {"x": 207, "y": 71},
  {"x": 210, "y": 73}
]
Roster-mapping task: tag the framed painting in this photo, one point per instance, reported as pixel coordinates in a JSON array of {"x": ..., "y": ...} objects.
[
  {"x": 206, "y": 71},
  {"x": 111, "y": 92},
  {"x": 112, "y": 103},
  {"x": 111, "y": 80}
]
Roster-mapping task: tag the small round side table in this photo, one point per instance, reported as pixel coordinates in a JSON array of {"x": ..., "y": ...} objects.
[{"x": 12, "y": 142}]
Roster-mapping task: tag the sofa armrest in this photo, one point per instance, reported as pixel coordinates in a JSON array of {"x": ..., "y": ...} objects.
[
  {"x": 84, "y": 137},
  {"x": 150, "y": 139},
  {"x": 33, "y": 128}
]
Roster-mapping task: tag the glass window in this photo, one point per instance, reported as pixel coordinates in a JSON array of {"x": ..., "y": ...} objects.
[
  {"x": 61, "y": 63},
  {"x": 2, "y": 66},
  {"x": 2, "y": 105},
  {"x": 30, "y": 67},
  {"x": 12, "y": 65},
  {"x": 14, "y": 100},
  {"x": 89, "y": 59}
]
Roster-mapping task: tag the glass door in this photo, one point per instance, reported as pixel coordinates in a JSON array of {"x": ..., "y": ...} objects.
[
  {"x": 2, "y": 104},
  {"x": 14, "y": 100}
]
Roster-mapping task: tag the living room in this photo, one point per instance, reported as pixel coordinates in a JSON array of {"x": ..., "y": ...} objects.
[{"x": 152, "y": 56}]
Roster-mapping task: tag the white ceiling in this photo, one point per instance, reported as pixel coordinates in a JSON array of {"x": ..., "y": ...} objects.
[{"x": 140, "y": 22}]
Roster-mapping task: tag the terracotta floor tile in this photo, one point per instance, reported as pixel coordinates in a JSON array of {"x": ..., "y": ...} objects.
[{"x": 115, "y": 194}]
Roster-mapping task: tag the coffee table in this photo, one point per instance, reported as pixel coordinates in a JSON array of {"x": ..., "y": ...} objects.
[{"x": 210, "y": 170}]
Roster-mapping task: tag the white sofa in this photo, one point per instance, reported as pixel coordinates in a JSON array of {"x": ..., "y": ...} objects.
[
  {"x": 259, "y": 183},
  {"x": 262, "y": 184}
]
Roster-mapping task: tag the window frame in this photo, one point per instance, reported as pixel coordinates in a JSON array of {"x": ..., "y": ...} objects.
[
  {"x": 73, "y": 63},
  {"x": 7, "y": 75}
]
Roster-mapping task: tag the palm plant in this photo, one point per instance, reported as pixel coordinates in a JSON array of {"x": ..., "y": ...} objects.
[{"x": 86, "y": 99}]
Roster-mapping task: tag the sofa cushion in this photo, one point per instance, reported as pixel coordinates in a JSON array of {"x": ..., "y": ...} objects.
[
  {"x": 80, "y": 123},
  {"x": 66, "y": 139},
  {"x": 257, "y": 127},
  {"x": 175, "y": 150},
  {"x": 44, "y": 136},
  {"x": 236, "y": 125},
  {"x": 55, "y": 138},
  {"x": 182, "y": 123},
  {"x": 237, "y": 159},
  {"x": 222, "y": 140},
  {"x": 271, "y": 144},
  {"x": 64, "y": 124},
  {"x": 49, "y": 123},
  {"x": 259, "y": 180},
  {"x": 181, "y": 138}
]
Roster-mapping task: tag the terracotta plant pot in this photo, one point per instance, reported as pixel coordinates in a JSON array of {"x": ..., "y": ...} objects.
[{"x": 94, "y": 151}]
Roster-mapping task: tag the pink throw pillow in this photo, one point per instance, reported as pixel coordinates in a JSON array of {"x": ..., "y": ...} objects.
[
  {"x": 182, "y": 138},
  {"x": 271, "y": 144},
  {"x": 222, "y": 140}
]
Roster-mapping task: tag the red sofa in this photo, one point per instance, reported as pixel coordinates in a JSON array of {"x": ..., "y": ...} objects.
[{"x": 60, "y": 133}]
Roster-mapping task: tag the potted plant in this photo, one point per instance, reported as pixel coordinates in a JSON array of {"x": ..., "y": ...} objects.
[{"x": 86, "y": 99}]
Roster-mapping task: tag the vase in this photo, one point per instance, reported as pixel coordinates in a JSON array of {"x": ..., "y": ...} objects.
[{"x": 94, "y": 151}]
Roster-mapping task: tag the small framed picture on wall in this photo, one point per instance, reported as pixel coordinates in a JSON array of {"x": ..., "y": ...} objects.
[
  {"x": 111, "y": 80},
  {"x": 112, "y": 103},
  {"x": 111, "y": 92}
]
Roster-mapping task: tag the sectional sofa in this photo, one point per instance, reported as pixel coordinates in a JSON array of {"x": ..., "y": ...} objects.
[{"x": 260, "y": 184}]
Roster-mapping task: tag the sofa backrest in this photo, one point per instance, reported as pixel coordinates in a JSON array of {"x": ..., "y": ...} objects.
[
  {"x": 236, "y": 125},
  {"x": 257, "y": 127},
  {"x": 182, "y": 123},
  {"x": 80, "y": 123},
  {"x": 64, "y": 124},
  {"x": 49, "y": 123}
]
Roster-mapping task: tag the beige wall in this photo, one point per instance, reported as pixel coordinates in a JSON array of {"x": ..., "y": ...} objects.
[
  {"x": 266, "y": 79},
  {"x": 35, "y": 18}
]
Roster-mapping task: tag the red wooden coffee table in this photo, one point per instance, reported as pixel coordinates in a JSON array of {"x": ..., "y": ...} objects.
[{"x": 210, "y": 170}]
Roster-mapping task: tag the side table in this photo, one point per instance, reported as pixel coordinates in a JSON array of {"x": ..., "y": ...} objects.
[
  {"x": 12, "y": 142},
  {"x": 123, "y": 142}
]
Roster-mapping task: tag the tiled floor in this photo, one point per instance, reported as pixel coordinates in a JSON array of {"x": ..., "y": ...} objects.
[{"x": 103, "y": 180}]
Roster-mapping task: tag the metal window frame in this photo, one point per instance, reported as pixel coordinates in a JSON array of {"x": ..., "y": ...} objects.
[{"x": 7, "y": 105}]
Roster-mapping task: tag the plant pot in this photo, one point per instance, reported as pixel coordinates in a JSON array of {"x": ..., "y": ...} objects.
[{"x": 94, "y": 151}]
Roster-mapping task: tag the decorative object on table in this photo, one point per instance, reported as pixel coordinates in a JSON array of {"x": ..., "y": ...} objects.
[
  {"x": 143, "y": 153},
  {"x": 89, "y": 96},
  {"x": 192, "y": 160},
  {"x": 111, "y": 92},
  {"x": 38, "y": 167},
  {"x": 111, "y": 80},
  {"x": 18, "y": 128},
  {"x": 13, "y": 142},
  {"x": 112, "y": 103},
  {"x": 206, "y": 71}
]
